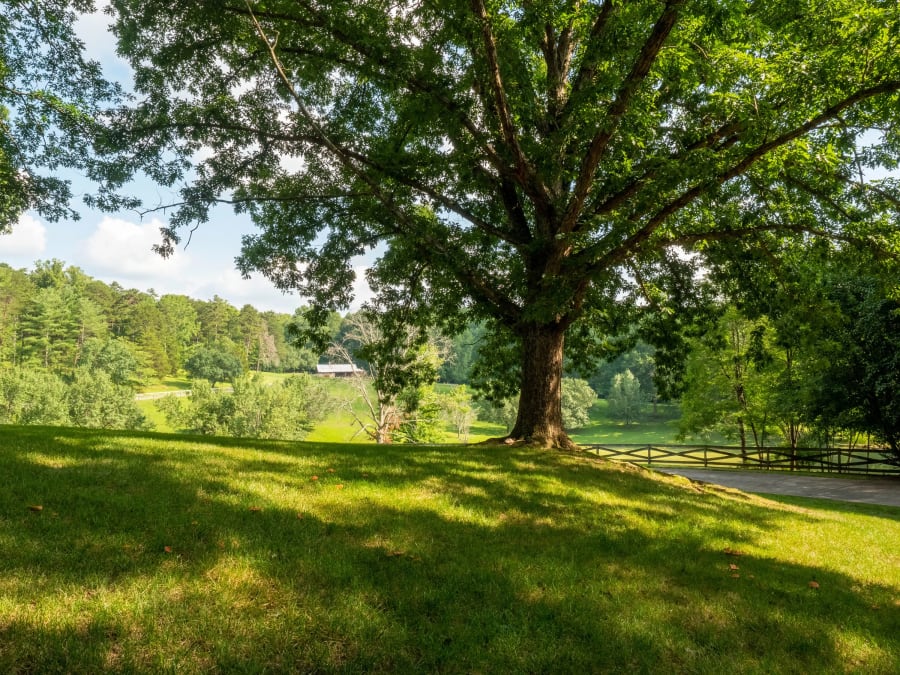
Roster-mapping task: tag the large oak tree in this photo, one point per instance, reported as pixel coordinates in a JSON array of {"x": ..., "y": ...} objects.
[{"x": 543, "y": 165}]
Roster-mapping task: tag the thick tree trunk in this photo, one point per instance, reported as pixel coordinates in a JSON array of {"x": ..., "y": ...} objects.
[{"x": 540, "y": 411}]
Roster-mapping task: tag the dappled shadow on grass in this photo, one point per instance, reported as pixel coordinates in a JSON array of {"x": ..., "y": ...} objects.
[
  {"x": 841, "y": 507},
  {"x": 424, "y": 559}
]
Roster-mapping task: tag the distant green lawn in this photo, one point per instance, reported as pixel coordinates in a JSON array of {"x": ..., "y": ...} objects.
[
  {"x": 659, "y": 426},
  {"x": 157, "y": 553},
  {"x": 155, "y": 417},
  {"x": 650, "y": 427},
  {"x": 167, "y": 384}
]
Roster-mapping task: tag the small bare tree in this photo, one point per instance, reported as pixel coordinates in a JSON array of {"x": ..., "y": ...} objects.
[
  {"x": 392, "y": 361},
  {"x": 460, "y": 411}
]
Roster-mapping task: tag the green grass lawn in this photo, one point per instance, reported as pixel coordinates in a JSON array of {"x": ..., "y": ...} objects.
[
  {"x": 167, "y": 384},
  {"x": 155, "y": 417},
  {"x": 156, "y": 552},
  {"x": 650, "y": 427}
]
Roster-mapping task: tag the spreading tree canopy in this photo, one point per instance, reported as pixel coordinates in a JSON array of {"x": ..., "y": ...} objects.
[
  {"x": 557, "y": 168},
  {"x": 52, "y": 101}
]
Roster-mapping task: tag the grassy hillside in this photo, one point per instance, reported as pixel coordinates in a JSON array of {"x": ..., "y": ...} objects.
[{"x": 152, "y": 552}]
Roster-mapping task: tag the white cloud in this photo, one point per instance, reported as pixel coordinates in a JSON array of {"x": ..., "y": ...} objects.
[
  {"x": 260, "y": 292},
  {"x": 125, "y": 250},
  {"x": 119, "y": 250},
  {"x": 28, "y": 238}
]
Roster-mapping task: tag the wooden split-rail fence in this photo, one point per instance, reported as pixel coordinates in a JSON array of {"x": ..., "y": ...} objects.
[{"x": 830, "y": 460}]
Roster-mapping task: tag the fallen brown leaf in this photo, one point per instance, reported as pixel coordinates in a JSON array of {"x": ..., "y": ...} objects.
[
  {"x": 167, "y": 549},
  {"x": 813, "y": 584},
  {"x": 733, "y": 567},
  {"x": 37, "y": 508},
  {"x": 256, "y": 509}
]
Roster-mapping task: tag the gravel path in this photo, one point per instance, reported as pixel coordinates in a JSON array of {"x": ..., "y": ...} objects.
[{"x": 884, "y": 491}]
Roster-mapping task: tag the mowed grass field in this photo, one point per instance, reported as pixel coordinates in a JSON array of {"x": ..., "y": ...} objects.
[{"x": 131, "y": 552}]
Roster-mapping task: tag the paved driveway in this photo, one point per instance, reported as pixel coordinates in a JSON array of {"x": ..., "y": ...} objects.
[{"x": 885, "y": 491}]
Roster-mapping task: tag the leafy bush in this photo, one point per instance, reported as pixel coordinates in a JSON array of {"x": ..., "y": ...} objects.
[
  {"x": 625, "y": 397},
  {"x": 213, "y": 365},
  {"x": 420, "y": 416},
  {"x": 113, "y": 357},
  {"x": 287, "y": 410},
  {"x": 458, "y": 408},
  {"x": 32, "y": 397},
  {"x": 95, "y": 400},
  {"x": 502, "y": 412},
  {"x": 577, "y": 399}
]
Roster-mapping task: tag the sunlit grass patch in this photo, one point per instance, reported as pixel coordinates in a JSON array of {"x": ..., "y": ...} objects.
[
  {"x": 158, "y": 552},
  {"x": 660, "y": 426}
]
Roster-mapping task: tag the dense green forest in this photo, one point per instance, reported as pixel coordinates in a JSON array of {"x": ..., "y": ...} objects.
[
  {"x": 58, "y": 318},
  {"x": 74, "y": 350}
]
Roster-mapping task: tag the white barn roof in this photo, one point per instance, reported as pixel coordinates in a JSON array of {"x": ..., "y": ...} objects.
[{"x": 336, "y": 368}]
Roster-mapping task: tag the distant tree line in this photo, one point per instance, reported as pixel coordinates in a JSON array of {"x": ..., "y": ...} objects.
[
  {"x": 56, "y": 316},
  {"x": 73, "y": 351}
]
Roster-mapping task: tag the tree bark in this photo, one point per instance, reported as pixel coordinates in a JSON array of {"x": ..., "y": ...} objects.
[
  {"x": 742, "y": 433},
  {"x": 539, "y": 420}
]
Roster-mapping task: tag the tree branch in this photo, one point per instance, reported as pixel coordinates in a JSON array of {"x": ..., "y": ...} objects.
[
  {"x": 260, "y": 199},
  {"x": 589, "y": 63},
  {"x": 525, "y": 174},
  {"x": 388, "y": 72},
  {"x": 558, "y": 58},
  {"x": 430, "y": 245},
  {"x": 635, "y": 240},
  {"x": 501, "y": 104},
  {"x": 617, "y": 110},
  {"x": 817, "y": 194},
  {"x": 448, "y": 203},
  {"x": 616, "y": 200}
]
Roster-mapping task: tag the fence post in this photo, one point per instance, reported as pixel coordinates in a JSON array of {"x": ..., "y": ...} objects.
[
  {"x": 649, "y": 458},
  {"x": 705, "y": 462}
]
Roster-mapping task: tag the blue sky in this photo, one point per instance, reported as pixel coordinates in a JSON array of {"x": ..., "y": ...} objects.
[{"x": 117, "y": 246}]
